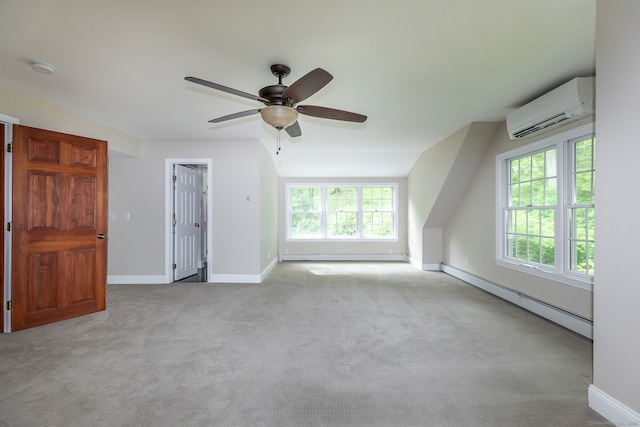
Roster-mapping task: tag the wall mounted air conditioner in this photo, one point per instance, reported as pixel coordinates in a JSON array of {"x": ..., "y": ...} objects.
[{"x": 565, "y": 104}]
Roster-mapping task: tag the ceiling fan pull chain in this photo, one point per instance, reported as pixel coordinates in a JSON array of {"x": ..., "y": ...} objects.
[{"x": 278, "y": 138}]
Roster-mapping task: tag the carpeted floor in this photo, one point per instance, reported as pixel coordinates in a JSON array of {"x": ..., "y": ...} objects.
[{"x": 316, "y": 344}]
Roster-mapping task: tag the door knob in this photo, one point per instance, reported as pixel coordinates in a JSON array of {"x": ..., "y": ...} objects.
[
  {"x": 101, "y": 236},
  {"x": 197, "y": 224}
]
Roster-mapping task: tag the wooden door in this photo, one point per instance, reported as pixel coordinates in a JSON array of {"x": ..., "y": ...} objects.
[
  {"x": 187, "y": 224},
  {"x": 59, "y": 246}
]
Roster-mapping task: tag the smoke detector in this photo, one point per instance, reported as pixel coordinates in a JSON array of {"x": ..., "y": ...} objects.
[{"x": 43, "y": 68}]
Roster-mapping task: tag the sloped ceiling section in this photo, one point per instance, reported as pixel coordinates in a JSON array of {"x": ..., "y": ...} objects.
[
  {"x": 419, "y": 69},
  {"x": 465, "y": 164}
]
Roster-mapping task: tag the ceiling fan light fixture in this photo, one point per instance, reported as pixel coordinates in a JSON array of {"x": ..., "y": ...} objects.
[{"x": 279, "y": 116}]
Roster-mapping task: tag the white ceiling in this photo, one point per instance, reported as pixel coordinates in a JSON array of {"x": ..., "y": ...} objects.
[{"x": 419, "y": 69}]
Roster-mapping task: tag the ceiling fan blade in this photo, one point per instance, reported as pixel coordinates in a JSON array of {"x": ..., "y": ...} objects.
[
  {"x": 307, "y": 85},
  {"x": 294, "y": 130},
  {"x": 330, "y": 113},
  {"x": 234, "y": 116},
  {"x": 226, "y": 89}
]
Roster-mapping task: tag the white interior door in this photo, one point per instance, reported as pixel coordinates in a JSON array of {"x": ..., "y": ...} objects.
[{"x": 187, "y": 221}]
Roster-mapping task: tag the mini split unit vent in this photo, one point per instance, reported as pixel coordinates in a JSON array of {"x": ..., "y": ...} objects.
[{"x": 565, "y": 104}]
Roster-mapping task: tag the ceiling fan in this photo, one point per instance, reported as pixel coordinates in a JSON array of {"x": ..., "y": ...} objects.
[{"x": 281, "y": 102}]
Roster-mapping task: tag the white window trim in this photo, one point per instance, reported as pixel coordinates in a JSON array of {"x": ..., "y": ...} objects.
[
  {"x": 560, "y": 272},
  {"x": 323, "y": 186}
]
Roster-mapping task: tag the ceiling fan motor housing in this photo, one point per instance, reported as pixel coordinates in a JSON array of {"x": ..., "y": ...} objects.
[{"x": 273, "y": 94}]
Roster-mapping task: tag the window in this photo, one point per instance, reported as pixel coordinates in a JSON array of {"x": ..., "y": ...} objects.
[
  {"x": 342, "y": 212},
  {"x": 546, "y": 207}
]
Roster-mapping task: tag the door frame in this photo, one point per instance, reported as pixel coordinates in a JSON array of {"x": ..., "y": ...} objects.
[
  {"x": 168, "y": 198},
  {"x": 7, "y": 206}
]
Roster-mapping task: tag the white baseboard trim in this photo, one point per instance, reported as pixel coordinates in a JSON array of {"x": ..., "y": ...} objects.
[
  {"x": 424, "y": 267},
  {"x": 343, "y": 257},
  {"x": 267, "y": 270},
  {"x": 611, "y": 409},
  {"x": 234, "y": 278},
  {"x": 136, "y": 280},
  {"x": 417, "y": 264},
  {"x": 550, "y": 312},
  {"x": 213, "y": 278}
]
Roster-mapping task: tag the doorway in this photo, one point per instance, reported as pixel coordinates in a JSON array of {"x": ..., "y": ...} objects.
[
  {"x": 188, "y": 217},
  {"x": 6, "y": 190}
]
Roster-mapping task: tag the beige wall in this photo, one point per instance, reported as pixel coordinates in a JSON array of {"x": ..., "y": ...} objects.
[
  {"x": 424, "y": 184},
  {"x": 616, "y": 369},
  {"x": 268, "y": 209},
  {"x": 35, "y": 112},
  {"x": 436, "y": 183},
  {"x": 398, "y": 246},
  {"x": 243, "y": 180}
]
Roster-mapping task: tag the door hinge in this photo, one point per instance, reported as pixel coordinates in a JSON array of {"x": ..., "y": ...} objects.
[
  {"x": 9, "y": 148},
  {"x": 9, "y": 227},
  {"x": 175, "y": 178},
  {"x": 175, "y": 266},
  {"x": 9, "y": 305}
]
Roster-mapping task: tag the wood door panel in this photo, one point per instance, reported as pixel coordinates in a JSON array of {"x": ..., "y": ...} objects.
[
  {"x": 83, "y": 156},
  {"x": 59, "y": 208},
  {"x": 44, "y": 151},
  {"x": 42, "y": 291},
  {"x": 44, "y": 189},
  {"x": 81, "y": 269},
  {"x": 83, "y": 202}
]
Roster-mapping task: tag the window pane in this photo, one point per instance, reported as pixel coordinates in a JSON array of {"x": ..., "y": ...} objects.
[
  {"x": 515, "y": 195},
  {"x": 538, "y": 165},
  {"x": 551, "y": 168},
  {"x": 551, "y": 192},
  {"x": 525, "y": 194},
  {"x": 537, "y": 193},
  {"x": 511, "y": 246},
  {"x": 548, "y": 251},
  {"x": 547, "y": 222},
  {"x": 579, "y": 256},
  {"x": 583, "y": 188},
  {"x": 533, "y": 222},
  {"x": 525, "y": 168},
  {"x": 534, "y": 249},
  {"x": 584, "y": 155},
  {"x": 521, "y": 247},
  {"x": 305, "y": 199},
  {"x": 341, "y": 199},
  {"x": 377, "y": 224},
  {"x": 521, "y": 222},
  {"x": 578, "y": 230},
  {"x": 341, "y": 224},
  {"x": 511, "y": 222},
  {"x": 514, "y": 166},
  {"x": 305, "y": 225}
]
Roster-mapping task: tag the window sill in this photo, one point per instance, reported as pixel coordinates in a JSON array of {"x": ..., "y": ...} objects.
[{"x": 549, "y": 275}]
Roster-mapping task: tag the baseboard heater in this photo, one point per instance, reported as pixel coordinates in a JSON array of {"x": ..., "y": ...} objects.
[{"x": 571, "y": 321}]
